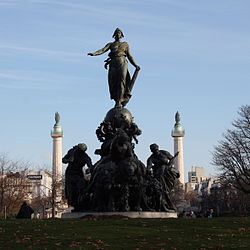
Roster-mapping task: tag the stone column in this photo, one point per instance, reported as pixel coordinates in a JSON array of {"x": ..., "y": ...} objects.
[
  {"x": 178, "y": 133},
  {"x": 57, "y": 135}
]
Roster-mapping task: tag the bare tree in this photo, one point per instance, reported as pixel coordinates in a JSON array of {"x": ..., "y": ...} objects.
[
  {"x": 232, "y": 154},
  {"x": 225, "y": 199},
  {"x": 192, "y": 199},
  {"x": 13, "y": 185},
  {"x": 177, "y": 194}
]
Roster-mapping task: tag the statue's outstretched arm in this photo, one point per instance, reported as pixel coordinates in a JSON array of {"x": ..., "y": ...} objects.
[
  {"x": 100, "y": 51},
  {"x": 149, "y": 163},
  {"x": 89, "y": 162},
  {"x": 131, "y": 60},
  {"x": 170, "y": 156}
]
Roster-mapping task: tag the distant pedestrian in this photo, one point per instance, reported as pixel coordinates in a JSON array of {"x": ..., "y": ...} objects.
[
  {"x": 192, "y": 214},
  {"x": 209, "y": 213},
  {"x": 25, "y": 211}
]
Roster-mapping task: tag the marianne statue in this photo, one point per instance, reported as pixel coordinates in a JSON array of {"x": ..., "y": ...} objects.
[{"x": 120, "y": 82}]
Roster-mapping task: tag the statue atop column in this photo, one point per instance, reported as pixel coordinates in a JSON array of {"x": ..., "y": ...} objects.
[
  {"x": 57, "y": 118},
  {"x": 119, "y": 80}
]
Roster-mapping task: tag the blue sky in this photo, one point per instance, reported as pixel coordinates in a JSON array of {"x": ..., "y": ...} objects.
[{"x": 194, "y": 58}]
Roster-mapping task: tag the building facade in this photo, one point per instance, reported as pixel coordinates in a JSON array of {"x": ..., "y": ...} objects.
[{"x": 39, "y": 183}]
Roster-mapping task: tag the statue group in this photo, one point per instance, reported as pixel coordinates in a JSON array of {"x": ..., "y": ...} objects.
[{"x": 119, "y": 181}]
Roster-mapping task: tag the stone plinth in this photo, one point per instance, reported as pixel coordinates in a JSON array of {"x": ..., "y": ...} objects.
[{"x": 125, "y": 214}]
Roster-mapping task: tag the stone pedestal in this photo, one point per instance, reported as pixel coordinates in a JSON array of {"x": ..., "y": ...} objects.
[{"x": 121, "y": 214}]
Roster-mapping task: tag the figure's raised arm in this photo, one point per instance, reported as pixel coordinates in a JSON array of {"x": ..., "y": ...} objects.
[
  {"x": 149, "y": 163},
  {"x": 131, "y": 59},
  {"x": 100, "y": 51}
]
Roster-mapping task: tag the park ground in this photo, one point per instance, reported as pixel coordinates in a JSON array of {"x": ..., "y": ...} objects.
[{"x": 124, "y": 233}]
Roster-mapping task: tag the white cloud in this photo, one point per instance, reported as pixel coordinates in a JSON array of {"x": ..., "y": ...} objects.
[
  {"x": 33, "y": 80},
  {"x": 113, "y": 12},
  {"x": 40, "y": 51},
  {"x": 9, "y": 3}
]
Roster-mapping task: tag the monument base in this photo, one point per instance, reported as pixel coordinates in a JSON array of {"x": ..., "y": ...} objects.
[{"x": 121, "y": 214}]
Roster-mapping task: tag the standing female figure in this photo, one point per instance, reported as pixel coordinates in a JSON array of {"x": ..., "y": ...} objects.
[{"x": 120, "y": 84}]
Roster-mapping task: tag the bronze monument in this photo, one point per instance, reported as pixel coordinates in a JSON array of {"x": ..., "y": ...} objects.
[
  {"x": 120, "y": 82},
  {"x": 119, "y": 180}
]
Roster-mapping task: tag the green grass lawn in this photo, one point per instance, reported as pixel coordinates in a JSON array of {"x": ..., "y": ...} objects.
[{"x": 216, "y": 233}]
